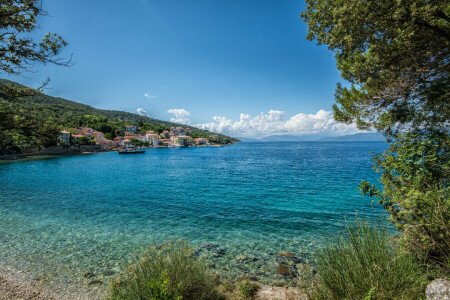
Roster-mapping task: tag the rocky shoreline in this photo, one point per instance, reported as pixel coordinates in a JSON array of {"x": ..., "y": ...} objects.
[
  {"x": 25, "y": 287},
  {"x": 15, "y": 284},
  {"x": 53, "y": 151}
]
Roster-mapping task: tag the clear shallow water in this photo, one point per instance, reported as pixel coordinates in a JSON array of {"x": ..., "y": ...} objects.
[{"x": 63, "y": 217}]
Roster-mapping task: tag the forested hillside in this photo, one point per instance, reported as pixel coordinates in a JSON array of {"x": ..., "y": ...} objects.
[{"x": 32, "y": 122}]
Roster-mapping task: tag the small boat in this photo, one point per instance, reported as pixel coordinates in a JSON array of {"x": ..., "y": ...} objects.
[{"x": 131, "y": 151}]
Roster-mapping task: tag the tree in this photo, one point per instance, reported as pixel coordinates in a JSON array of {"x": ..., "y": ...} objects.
[
  {"x": 18, "y": 51},
  {"x": 415, "y": 174},
  {"x": 395, "y": 54}
]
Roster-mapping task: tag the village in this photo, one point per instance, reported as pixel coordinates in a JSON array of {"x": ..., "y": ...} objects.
[{"x": 132, "y": 136}]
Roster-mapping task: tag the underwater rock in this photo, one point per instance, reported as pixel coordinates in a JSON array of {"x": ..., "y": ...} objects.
[
  {"x": 95, "y": 282},
  {"x": 287, "y": 271},
  {"x": 108, "y": 273},
  {"x": 244, "y": 258},
  {"x": 210, "y": 246},
  {"x": 290, "y": 259},
  {"x": 285, "y": 253},
  {"x": 89, "y": 275},
  {"x": 221, "y": 251}
]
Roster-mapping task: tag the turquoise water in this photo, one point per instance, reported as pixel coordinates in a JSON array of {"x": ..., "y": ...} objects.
[{"x": 63, "y": 217}]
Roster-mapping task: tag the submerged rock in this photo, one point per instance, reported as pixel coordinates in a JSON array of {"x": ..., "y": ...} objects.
[
  {"x": 285, "y": 253},
  {"x": 210, "y": 246},
  {"x": 245, "y": 258},
  {"x": 288, "y": 271},
  {"x": 95, "y": 282},
  {"x": 221, "y": 251},
  {"x": 89, "y": 275}
]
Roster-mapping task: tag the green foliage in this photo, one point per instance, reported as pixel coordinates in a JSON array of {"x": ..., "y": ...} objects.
[
  {"x": 169, "y": 268},
  {"x": 362, "y": 262},
  {"x": 415, "y": 176},
  {"x": 18, "y": 51},
  {"x": 228, "y": 286},
  {"x": 247, "y": 289},
  {"x": 395, "y": 54},
  {"x": 155, "y": 289},
  {"x": 138, "y": 143}
]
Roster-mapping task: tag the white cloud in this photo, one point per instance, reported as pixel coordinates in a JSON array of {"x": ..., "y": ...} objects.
[
  {"x": 141, "y": 112},
  {"x": 181, "y": 115},
  {"x": 275, "y": 123},
  {"x": 148, "y": 96}
]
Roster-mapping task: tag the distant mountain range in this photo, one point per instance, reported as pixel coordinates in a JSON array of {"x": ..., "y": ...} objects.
[
  {"x": 362, "y": 137},
  {"x": 371, "y": 136}
]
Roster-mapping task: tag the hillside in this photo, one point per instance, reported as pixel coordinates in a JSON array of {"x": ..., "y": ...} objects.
[
  {"x": 34, "y": 121},
  {"x": 64, "y": 108}
]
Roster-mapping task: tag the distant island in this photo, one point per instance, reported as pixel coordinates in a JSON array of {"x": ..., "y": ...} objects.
[{"x": 31, "y": 123}]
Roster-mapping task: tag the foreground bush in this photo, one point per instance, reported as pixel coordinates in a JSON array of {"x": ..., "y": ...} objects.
[
  {"x": 165, "y": 272},
  {"x": 415, "y": 174},
  {"x": 361, "y": 263}
]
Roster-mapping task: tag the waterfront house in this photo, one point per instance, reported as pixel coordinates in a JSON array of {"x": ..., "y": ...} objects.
[
  {"x": 98, "y": 134},
  {"x": 165, "y": 134},
  {"x": 141, "y": 137},
  {"x": 201, "y": 141},
  {"x": 103, "y": 143},
  {"x": 64, "y": 137},
  {"x": 155, "y": 141},
  {"x": 77, "y": 139},
  {"x": 165, "y": 143},
  {"x": 126, "y": 143},
  {"x": 171, "y": 136},
  {"x": 182, "y": 140},
  {"x": 87, "y": 134},
  {"x": 151, "y": 136}
]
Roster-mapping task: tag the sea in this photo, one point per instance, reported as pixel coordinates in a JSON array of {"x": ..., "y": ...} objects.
[{"x": 65, "y": 221}]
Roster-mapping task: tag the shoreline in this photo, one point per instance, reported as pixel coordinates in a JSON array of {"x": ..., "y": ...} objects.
[
  {"x": 62, "y": 152},
  {"x": 18, "y": 285}
]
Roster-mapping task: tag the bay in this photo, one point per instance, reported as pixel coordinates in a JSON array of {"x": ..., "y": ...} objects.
[{"x": 239, "y": 205}]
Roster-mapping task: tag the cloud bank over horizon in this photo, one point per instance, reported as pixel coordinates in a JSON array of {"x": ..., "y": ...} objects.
[{"x": 274, "y": 122}]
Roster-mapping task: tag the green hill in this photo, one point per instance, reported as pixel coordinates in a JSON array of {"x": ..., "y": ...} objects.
[{"x": 33, "y": 121}]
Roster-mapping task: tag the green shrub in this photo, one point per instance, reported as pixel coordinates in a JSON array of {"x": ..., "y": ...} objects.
[
  {"x": 362, "y": 263},
  {"x": 228, "y": 286},
  {"x": 165, "y": 272},
  {"x": 247, "y": 289},
  {"x": 416, "y": 193}
]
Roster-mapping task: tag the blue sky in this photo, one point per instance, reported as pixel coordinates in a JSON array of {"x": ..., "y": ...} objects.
[{"x": 195, "y": 61}]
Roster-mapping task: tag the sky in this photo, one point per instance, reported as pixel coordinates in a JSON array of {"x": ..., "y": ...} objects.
[{"x": 242, "y": 68}]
